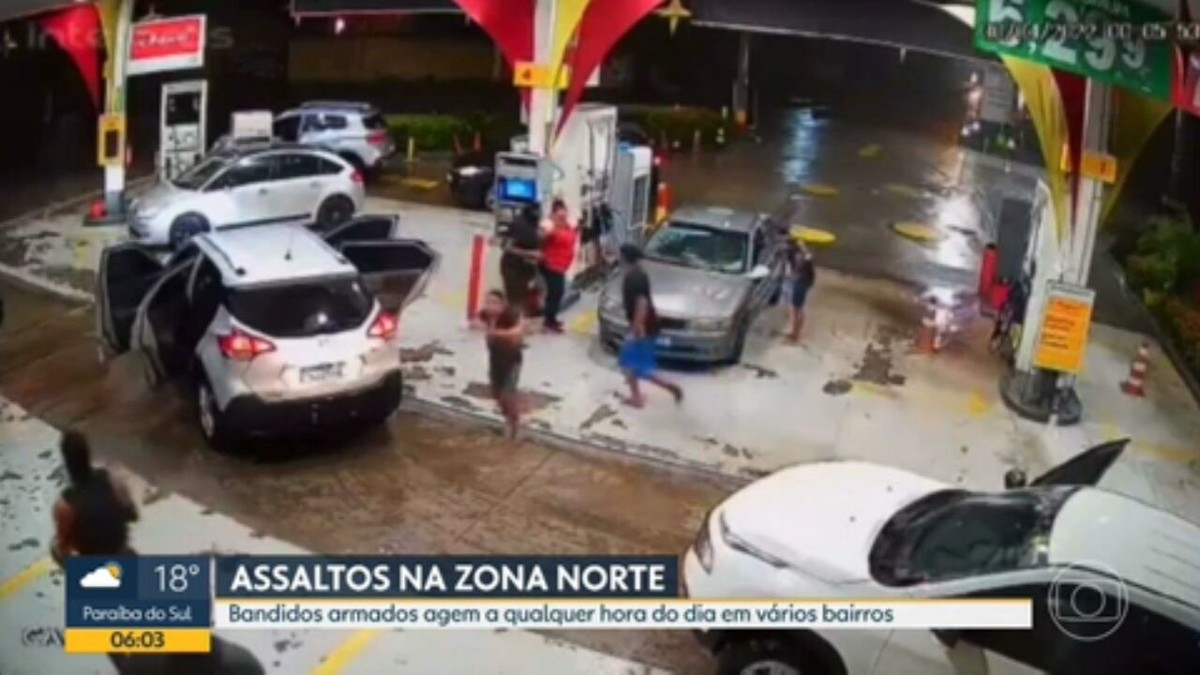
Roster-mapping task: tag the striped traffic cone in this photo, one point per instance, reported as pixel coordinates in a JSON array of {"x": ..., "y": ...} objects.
[{"x": 1135, "y": 385}]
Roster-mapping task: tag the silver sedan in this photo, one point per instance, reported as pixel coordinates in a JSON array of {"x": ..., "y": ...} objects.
[{"x": 712, "y": 270}]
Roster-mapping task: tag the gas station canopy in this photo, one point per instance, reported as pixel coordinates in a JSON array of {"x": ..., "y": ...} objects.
[
  {"x": 15, "y": 9},
  {"x": 912, "y": 24}
]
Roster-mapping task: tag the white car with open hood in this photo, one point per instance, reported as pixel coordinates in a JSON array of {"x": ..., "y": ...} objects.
[
  {"x": 1115, "y": 582},
  {"x": 276, "y": 329}
]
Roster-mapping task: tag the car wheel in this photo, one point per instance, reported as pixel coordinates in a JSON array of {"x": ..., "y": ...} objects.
[
  {"x": 208, "y": 416},
  {"x": 334, "y": 211},
  {"x": 185, "y": 227},
  {"x": 767, "y": 656}
]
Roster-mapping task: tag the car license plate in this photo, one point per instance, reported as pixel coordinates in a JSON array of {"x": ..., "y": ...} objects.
[
  {"x": 321, "y": 373},
  {"x": 664, "y": 341}
]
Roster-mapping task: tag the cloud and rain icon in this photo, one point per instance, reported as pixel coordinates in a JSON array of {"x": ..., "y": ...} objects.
[{"x": 107, "y": 575}]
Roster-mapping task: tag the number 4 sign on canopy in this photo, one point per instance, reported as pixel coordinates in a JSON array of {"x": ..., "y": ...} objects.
[{"x": 1113, "y": 41}]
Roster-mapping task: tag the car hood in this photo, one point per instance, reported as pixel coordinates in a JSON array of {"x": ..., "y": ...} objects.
[
  {"x": 822, "y": 518},
  {"x": 157, "y": 198},
  {"x": 687, "y": 292}
]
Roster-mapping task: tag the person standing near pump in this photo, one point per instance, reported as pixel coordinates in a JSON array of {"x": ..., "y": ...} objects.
[
  {"x": 505, "y": 330},
  {"x": 518, "y": 263},
  {"x": 637, "y": 358},
  {"x": 802, "y": 274},
  {"x": 558, "y": 253}
]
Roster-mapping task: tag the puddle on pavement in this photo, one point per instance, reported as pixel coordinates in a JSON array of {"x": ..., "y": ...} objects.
[
  {"x": 876, "y": 365},
  {"x": 533, "y": 400},
  {"x": 424, "y": 353},
  {"x": 600, "y": 414}
]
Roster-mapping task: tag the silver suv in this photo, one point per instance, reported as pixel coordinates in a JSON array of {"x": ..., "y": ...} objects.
[
  {"x": 355, "y": 131},
  {"x": 276, "y": 328}
]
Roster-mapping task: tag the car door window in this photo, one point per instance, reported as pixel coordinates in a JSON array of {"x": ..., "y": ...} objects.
[
  {"x": 396, "y": 270},
  {"x": 311, "y": 123},
  {"x": 298, "y": 165},
  {"x": 326, "y": 167},
  {"x": 363, "y": 228},
  {"x": 205, "y": 293},
  {"x": 166, "y": 312},
  {"x": 245, "y": 173},
  {"x": 335, "y": 122}
]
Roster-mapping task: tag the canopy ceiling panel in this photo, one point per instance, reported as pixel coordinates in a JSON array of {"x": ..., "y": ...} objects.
[{"x": 920, "y": 26}]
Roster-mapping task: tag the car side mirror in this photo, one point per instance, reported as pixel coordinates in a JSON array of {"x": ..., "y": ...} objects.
[
  {"x": 1015, "y": 479},
  {"x": 759, "y": 272}
]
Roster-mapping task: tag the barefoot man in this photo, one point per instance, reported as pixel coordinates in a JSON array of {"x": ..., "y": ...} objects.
[
  {"x": 637, "y": 356},
  {"x": 505, "y": 334}
]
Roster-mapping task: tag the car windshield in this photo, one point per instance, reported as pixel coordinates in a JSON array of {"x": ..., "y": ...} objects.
[
  {"x": 699, "y": 246},
  {"x": 954, "y": 533},
  {"x": 199, "y": 175},
  {"x": 304, "y": 309}
]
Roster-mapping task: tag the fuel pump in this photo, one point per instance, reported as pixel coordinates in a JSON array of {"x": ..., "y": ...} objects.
[{"x": 184, "y": 119}]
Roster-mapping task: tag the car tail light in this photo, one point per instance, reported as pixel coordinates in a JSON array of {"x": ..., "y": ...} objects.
[
  {"x": 377, "y": 138},
  {"x": 384, "y": 327},
  {"x": 241, "y": 346},
  {"x": 356, "y": 177}
]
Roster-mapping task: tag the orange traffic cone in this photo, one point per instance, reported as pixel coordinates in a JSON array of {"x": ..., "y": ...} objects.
[
  {"x": 1135, "y": 385},
  {"x": 662, "y": 204}
]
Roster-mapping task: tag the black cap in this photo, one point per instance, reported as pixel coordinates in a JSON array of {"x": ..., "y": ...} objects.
[{"x": 630, "y": 253}]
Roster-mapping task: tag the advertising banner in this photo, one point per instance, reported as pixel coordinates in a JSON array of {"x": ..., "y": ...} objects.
[
  {"x": 160, "y": 45},
  {"x": 1124, "y": 43},
  {"x": 1063, "y": 336}
]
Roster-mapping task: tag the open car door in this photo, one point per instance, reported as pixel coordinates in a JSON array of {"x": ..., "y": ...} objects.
[
  {"x": 160, "y": 324},
  {"x": 396, "y": 271},
  {"x": 1086, "y": 468},
  {"x": 127, "y": 273},
  {"x": 363, "y": 228}
]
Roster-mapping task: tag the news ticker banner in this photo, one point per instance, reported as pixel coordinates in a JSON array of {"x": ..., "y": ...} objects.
[{"x": 172, "y": 603}]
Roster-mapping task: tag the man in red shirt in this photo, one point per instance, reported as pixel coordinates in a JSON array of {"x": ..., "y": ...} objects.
[{"x": 558, "y": 253}]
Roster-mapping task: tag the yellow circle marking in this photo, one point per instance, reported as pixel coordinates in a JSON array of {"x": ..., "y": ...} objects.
[
  {"x": 811, "y": 235},
  {"x": 918, "y": 232},
  {"x": 819, "y": 190}
]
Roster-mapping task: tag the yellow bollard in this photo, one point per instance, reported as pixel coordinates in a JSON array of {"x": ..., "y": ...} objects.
[
  {"x": 412, "y": 149},
  {"x": 696, "y": 141}
]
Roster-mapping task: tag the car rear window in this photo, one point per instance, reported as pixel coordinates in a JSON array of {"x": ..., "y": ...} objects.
[
  {"x": 375, "y": 122},
  {"x": 305, "y": 309}
]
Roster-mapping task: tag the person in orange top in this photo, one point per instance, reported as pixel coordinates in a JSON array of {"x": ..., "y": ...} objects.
[{"x": 558, "y": 252}]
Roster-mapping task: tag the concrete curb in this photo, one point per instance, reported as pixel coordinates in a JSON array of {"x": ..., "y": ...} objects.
[{"x": 67, "y": 203}]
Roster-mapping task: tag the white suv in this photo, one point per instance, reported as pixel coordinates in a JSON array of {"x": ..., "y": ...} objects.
[
  {"x": 1115, "y": 583},
  {"x": 277, "y": 328},
  {"x": 356, "y": 132},
  {"x": 273, "y": 183}
]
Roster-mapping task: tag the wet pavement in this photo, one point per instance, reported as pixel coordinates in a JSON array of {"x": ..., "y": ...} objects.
[{"x": 420, "y": 486}]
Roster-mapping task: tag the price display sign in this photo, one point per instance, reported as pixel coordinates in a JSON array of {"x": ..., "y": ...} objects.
[
  {"x": 142, "y": 604},
  {"x": 1063, "y": 334},
  {"x": 1120, "y": 42}
]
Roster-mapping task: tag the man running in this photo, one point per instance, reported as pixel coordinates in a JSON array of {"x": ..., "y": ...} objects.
[
  {"x": 637, "y": 357},
  {"x": 505, "y": 333}
]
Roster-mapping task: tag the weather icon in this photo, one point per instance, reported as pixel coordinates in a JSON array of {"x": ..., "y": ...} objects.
[{"x": 105, "y": 576}]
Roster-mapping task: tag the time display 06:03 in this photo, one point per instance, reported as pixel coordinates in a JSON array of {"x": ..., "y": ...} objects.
[{"x": 137, "y": 640}]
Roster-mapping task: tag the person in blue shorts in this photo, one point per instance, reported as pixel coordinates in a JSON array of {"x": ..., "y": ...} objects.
[
  {"x": 637, "y": 357},
  {"x": 802, "y": 274}
]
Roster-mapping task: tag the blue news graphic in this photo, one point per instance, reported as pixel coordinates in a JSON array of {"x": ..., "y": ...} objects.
[
  {"x": 448, "y": 577},
  {"x": 143, "y": 591}
]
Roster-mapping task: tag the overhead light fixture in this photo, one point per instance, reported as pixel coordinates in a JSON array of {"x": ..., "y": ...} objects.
[{"x": 339, "y": 25}]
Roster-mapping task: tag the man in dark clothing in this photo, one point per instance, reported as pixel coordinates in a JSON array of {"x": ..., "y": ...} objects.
[
  {"x": 505, "y": 334},
  {"x": 802, "y": 274},
  {"x": 637, "y": 357},
  {"x": 92, "y": 517},
  {"x": 522, "y": 251}
]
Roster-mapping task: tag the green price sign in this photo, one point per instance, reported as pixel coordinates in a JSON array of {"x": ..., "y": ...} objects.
[{"x": 1119, "y": 42}]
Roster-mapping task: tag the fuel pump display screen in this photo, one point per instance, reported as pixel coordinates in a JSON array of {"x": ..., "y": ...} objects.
[
  {"x": 183, "y": 108},
  {"x": 522, "y": 190}
]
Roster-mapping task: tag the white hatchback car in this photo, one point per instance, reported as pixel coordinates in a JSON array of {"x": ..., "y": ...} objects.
[
  {"x": 1115, "y": 583},
  {"x": 272, "y": 183},
  {"x": 277, "y": 329}
]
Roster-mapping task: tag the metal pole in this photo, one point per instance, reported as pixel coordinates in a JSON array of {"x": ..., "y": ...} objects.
[
  {"x": 543, "y": 100},
  {"x": 114, "y": 175},
  {"x": 1097, "y": 121}
]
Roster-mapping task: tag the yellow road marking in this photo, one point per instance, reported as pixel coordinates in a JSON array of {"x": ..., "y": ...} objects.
[
  {"x": 978, "y": 405},
  {"x": 902, "y": 190},
  {"x": 584, "y": 324},
  {"x": 917, "y": 231},
  {"x": 811, "y": 235},
  {"x": 870, "y": 151},
  {"x": 346, "y": 652},
  {"x": 420, "y": 183},
  {"x": 19, "y": 581},
  {"x": 819, "y": 190}
]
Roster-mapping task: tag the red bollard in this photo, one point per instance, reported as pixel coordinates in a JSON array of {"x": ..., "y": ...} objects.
[
  {"x": 987, "y": 273},
  {"x": 475, "y": 276}
]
